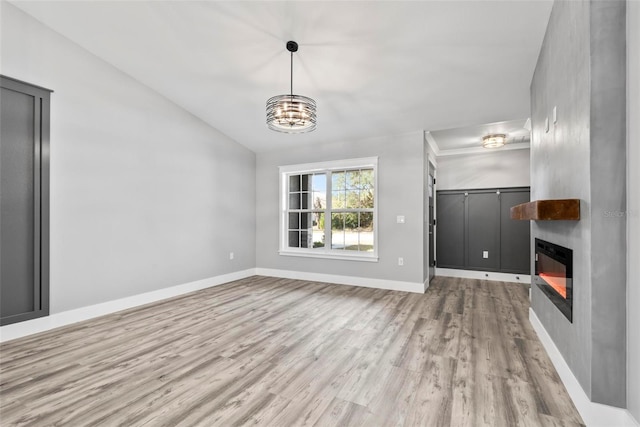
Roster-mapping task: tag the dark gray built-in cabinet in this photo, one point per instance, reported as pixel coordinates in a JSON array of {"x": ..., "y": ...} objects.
[
  {"x": 474, "y": 230},
  {"x": 24, "y": 201}
]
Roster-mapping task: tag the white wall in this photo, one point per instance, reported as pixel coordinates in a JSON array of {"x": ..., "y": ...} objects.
[
  {"x": 499, "y": 168},
  {"x": 400, "y": 192},
  {"x": 143, "y": 194},
  {"x": 633, "y": 208}
]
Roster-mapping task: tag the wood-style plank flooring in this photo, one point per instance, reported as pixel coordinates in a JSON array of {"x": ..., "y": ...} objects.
[{"x": 279, "y": 352}]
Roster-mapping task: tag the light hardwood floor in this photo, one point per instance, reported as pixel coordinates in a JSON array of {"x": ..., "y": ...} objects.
[{"x": 281, "y": 352}]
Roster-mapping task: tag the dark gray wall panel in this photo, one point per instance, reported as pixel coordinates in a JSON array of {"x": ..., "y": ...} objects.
[
  {"x": 17, "y": 203},
  {"x": 450, "y": 227},
  {"x": 24, "y": 201},
  {"x": 472, "y": 222},
  {"x": 483, "y": 220},
  {"x": 515, "y": 236}
]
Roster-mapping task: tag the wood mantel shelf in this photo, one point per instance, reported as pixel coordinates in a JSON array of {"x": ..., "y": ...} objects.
[{"x": 548, "y": 210}]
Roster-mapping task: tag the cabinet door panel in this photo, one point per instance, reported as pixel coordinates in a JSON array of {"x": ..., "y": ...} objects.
[
  {"x": 483, "y": 226},
  {"x": 450, "y": 230}
]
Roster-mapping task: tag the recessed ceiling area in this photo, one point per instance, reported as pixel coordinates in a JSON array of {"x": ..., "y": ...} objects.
[
  {"x": 374, "y": 68},
  {"x": 468, "y": 139}
]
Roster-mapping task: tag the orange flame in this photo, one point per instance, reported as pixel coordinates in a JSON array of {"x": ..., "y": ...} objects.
[{"x": 557, "y": 283}]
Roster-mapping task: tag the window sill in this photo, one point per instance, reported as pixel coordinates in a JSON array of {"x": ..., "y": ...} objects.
[{"x": 327, "y": 255}]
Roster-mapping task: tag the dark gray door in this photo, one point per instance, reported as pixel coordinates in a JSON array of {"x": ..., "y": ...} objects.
[
  {"x": 24, "y": 207},
  {"x": 450, "y": 228},
  {"x": 483, "y": 216},
  {"x": 515, "y": 254}
]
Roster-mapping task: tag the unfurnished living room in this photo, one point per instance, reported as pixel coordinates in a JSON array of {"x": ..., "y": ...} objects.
[{"x": 329, "y": 213}]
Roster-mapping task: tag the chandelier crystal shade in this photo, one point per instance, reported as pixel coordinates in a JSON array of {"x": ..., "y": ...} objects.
[
  {"x": 494, "y": 141},
  {"x": 291, "y": 113}
]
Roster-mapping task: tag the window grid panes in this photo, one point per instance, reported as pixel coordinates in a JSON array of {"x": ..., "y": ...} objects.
[
  {"x": 331, "y": 211},
  {"x": 305, "y": 217}
]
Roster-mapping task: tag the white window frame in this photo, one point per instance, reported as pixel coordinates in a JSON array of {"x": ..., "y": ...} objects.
[{"x": 330, "y": 166}]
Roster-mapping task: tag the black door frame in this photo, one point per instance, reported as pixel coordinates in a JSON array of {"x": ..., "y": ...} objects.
[{"x": 431, "y": 262}]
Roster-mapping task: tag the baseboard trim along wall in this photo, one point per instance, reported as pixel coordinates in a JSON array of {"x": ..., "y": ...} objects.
[
  {"x": 365, "y": 282},
  {"x": 593, "y": 414},
  {"x": 56, "y": 320},
  {"x": 484, "y": 275}
]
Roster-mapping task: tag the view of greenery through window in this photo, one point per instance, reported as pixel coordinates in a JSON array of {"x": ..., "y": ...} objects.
[{"x": 350, "y": 210}]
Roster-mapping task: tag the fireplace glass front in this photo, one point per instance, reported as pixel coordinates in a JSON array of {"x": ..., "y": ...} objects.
[{"x": 554, "y": 275}]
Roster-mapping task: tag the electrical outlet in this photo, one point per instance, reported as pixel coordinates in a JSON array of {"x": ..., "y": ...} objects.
[
  {"x": 400, "y": 261},
  {"x": 400, "y": 219},
  {"x": 485, "y": 254},
  {"x": 230, "y": 255}
]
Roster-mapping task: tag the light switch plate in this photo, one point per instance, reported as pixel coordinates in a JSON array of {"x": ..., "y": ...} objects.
[{"x": 485, "y": 254}]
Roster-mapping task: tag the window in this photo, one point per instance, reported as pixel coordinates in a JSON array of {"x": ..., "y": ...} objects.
[{"x": 328, "y": 209}]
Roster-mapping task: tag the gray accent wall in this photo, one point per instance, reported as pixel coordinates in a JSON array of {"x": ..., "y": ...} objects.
[
  {"x": 633, "y": 208},
  {"x": 144, "y": 195},
  {"x": 581, "y": 72},
  {"x": 400, "y": 192}
]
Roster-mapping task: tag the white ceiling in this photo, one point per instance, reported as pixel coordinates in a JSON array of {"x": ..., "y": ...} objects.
[{"x": 374, "y": 68}]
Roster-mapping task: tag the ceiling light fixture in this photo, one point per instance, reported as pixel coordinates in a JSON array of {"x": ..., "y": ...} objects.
[
  {"x": 496, "y": 140},
  {"x": 291, "y": 113}
]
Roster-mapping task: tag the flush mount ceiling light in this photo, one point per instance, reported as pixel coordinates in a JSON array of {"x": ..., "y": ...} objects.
[
  {"x": 496, "y": 140},
  {"x": 291, "y": 113}
]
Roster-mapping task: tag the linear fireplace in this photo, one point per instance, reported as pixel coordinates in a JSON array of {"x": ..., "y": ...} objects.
[{"x": 554, "y": 275}]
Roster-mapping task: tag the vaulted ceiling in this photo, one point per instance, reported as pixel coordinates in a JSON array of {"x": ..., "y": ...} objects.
[{"x": 374, "y": 68}]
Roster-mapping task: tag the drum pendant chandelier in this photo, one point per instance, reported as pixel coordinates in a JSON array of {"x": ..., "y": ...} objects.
[{"x": 291, "y": 113}]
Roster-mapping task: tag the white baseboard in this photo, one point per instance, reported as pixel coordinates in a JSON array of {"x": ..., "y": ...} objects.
[
  {"x": 484, "y": 275},
  {"x": 365, "y": 282},
  {"x": 29, "y": 327},
  {"x": 56, "y": 320},
  {"x": 593, "y": 414}
]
